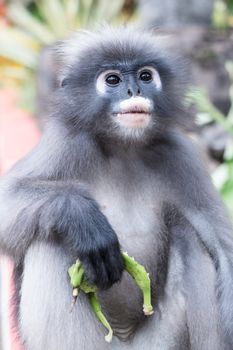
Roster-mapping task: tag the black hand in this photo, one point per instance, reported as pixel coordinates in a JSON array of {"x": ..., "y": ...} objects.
[{"x": 100, "y": 253}]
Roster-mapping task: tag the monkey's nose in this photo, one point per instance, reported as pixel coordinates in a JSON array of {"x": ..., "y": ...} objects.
[{"x": 131, "y": 92}]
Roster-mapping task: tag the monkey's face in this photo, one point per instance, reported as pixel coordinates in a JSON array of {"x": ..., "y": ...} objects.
[
  {"x": 120, "y": 86},
  {"x": 130, "y": 92}
]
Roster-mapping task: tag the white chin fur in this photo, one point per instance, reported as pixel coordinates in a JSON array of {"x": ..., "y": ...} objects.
[
  {"x": 134, "y": 117},
  {"x": 132, "y": 126}
]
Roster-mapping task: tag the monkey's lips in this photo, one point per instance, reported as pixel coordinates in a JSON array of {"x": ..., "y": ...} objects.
[{"x": 134, "y": 119}]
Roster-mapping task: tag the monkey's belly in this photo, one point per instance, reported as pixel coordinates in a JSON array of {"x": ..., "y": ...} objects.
[
  {"x": 123, "y": 302},
  {"x": 46, "y": 296},
  {"x": 123, "y": 306}
]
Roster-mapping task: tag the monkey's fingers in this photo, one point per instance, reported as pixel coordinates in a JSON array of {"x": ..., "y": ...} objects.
[
  {"x": 96, "y": 307},
  {"x": 86, "y": 287},
  {"x": 142, "y": 279}
]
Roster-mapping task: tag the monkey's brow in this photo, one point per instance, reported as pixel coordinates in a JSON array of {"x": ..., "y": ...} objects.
[
  {"x": 126, "y": 66},
  {"x": 112, "y": 65}
]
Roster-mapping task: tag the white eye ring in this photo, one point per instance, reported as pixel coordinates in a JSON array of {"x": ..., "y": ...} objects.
[
  {"x": 155, "y": 75},
  {"x": 101, "y": 83}
]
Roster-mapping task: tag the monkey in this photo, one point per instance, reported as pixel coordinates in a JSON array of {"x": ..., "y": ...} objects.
[{"x": 114, "y": 171}]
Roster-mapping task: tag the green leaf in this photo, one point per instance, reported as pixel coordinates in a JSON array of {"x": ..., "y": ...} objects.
[
  {"x": 14, "y": 51},
  {"x": 23, "y": 18},
  {"x": 107, "y": 11},
  {"x": 220, "y": 176},
  {"x": 204, "y": 105},
  {"x": 14, "y": 72},
  {"x": 53, "y": 12},
  {"x": 71, "y": 8},
  {"x": 86, "y": 11}
]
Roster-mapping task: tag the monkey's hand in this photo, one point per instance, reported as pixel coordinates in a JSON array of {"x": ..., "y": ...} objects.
[
  {"x": 76, "y": 220},
  {"x": 99, "y": 250}
]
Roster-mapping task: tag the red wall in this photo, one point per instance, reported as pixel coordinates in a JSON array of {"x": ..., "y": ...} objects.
[{"x": 18, "y": 134}]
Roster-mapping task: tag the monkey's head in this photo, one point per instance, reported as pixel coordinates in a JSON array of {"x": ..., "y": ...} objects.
[{"x": 119, "y": 84}]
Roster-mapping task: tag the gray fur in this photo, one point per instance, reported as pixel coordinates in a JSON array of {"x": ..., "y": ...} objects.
[{"x": 84, "y": 187}]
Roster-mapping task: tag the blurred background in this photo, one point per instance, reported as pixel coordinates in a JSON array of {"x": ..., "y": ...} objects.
[{"x": 199, "y": 30}]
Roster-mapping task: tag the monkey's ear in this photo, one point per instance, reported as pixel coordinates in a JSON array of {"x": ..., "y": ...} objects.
[
  {"x": 59, "y": 61},
  {"x": 64, "y": 82}
]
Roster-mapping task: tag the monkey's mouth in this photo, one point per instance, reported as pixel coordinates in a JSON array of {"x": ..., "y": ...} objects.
[
  {"x": 134, "y": 118},
  {"x": 134, "y": 113}
]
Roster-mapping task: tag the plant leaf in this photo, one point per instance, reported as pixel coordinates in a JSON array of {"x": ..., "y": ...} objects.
[
  {"x": 53, "y": 12},
  {"x": 23, "y": 18},
  {"x": 17, "y": 50}
]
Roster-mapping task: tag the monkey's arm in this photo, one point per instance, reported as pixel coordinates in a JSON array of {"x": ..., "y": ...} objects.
[
  {"x": 193, "y": 194},
  {"x": 214, "y": 231},
  {"x": 35, "y": 208},
  {"x": 196, "y": 199}
]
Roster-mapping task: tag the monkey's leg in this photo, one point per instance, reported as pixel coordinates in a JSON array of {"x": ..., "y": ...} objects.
[
  {"x": 197, "y": 278},
  {"x": 215, "y": 236},
  {"x": 186, "y": 316},
  {"x": 166, "y": 329},
  {"x": 46, "y": 321}
]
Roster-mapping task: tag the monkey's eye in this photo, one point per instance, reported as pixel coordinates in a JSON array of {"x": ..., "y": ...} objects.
[
  {"x": 146, "y": 76},
  {"x": 113, "y": 79}
]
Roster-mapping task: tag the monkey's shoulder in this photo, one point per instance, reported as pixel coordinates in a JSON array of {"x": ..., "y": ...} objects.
[{"x": 174, "y": 152}]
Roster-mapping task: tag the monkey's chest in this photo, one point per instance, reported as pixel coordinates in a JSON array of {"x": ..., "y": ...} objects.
[
  {"x": 135, "y": 217},
  {"x": 133, "y": 213}
]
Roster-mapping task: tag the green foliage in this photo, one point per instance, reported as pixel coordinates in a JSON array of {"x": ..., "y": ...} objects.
[
  {"x": 207, "y": 112},
  {"x": 223, "y": 14},
  {"x": 42, "y": 22},
  {"x": 230, "y": 6}
]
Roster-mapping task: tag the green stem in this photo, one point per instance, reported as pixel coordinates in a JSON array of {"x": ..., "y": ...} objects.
[
  {"x": 142, "y": 279},
  {"x": 96, "y": 307}
]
